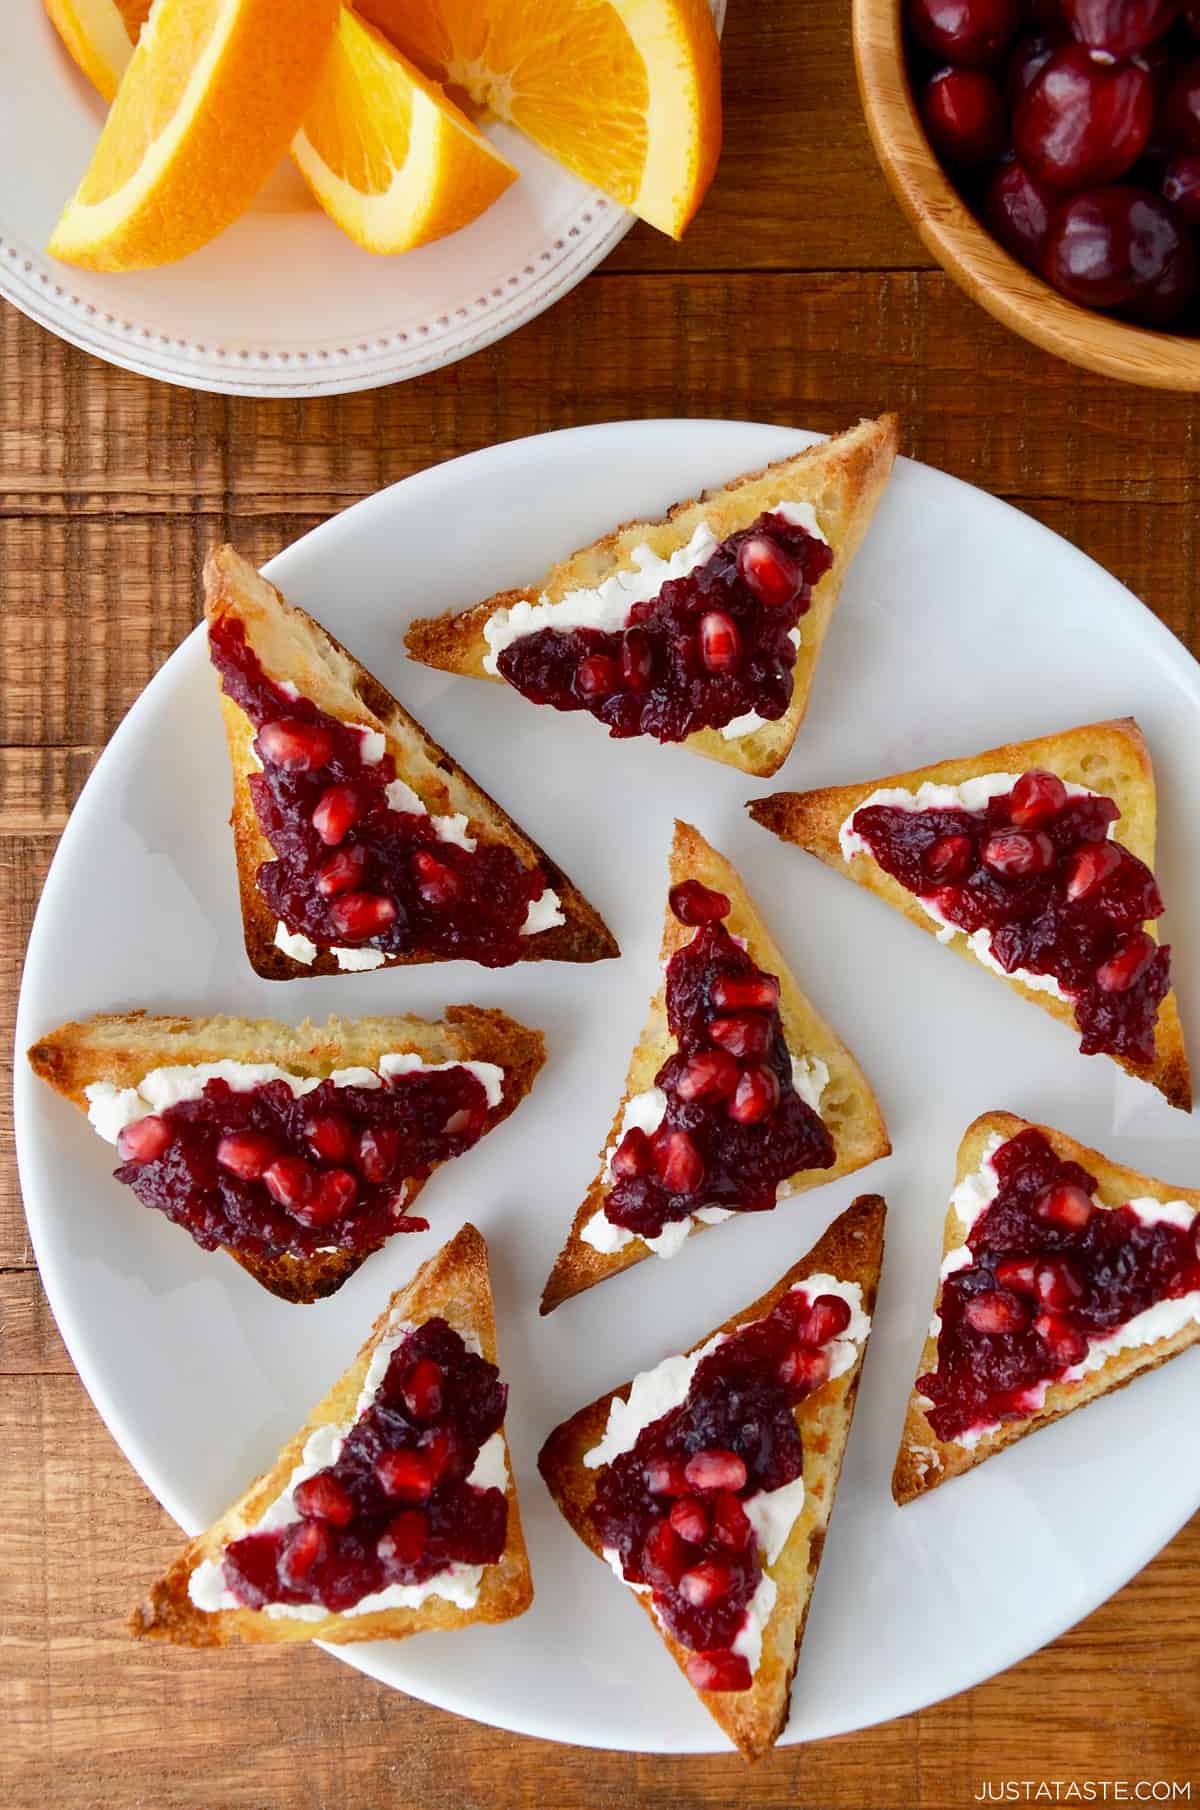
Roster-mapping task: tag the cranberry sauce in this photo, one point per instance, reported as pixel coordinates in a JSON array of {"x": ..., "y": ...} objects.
[
  {"x": 734, "y": 1126},
  {"x": 396, "y": 1506},
  {"x": 710, "y": 647},
  {"x": 264, "y": 1172},
  {"x": 672, "y": 1507},
  {"x": 350, "y": 869},
  {"x": 1049, "y": 1272},
  {"x": 1036, "y": 868}
]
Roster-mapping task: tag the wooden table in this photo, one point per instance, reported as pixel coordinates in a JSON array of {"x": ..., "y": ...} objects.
[{"x": 800, "y": 296}]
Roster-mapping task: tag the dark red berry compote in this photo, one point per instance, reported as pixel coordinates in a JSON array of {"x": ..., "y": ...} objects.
[
  {"x": 1034, "y": 878},
  {"x": 732, "y": 1125},
  {"x": 686, "y": 1505},
  {"x": 355, "y": 871},
  {"x": 1048, "y": 1285},
  {"x": 712, "y": 647},
  {"x": 389, "y": 1503},
  {"x": 286, "y": 1166}
]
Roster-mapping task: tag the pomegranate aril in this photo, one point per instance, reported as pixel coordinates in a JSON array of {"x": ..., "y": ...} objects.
[
  {"x": 1036, "y": 798},
  {"x": 404, "y": 1539},
  {"x": 322, "y": 1498},
  {"x": 361, "y": 914},
  {"x": 756, "y": 1096},
  {"x": 996, "y": 1313},
  {"x": 331, "y": 1198},
  {"x": 690, "y": 1519},
  {"x": 331, "y": 1136},
  {"x": 145, "y": 1140},
  {"x": 719, "y": 1671},
  {"x": 1090, "y": 867},
  {"x": 680, "y": 1165},
  {"x": 1020, "y": 1273},
  {"x": 1017, "y": 854},
  {"x": 294, "y": 746},
  {"x": 804, "y": 1368},
  {"x": 748, "y": 1039},
  {"x": 769, "y": 571},
  {"x": 437, "y": 884},
  {"x": 730, "y": 1523},
  {"x": 306, "y": 1544},
  {"x": 1059, "y": 1285},
  {"x": 964, "y": 115},
  {"x": 1065, "y": 1343},
  {"x": 634, "y": 1155},
  {"x": 423, "y": 1390},
  {"x": 827, "y": 1318},
  {"x": 336, "y": 811},
  {"x": 964, "y": 31},
  {"x": 709, "y": 1075},
  {"x": 597, "y": 676},
  {"x": 1064, "y": 1205},
  {"x": 664, "y": 1556},
  {"x": 720, "y": 642},
  {"x": 246, "y": 1154},
  {"x": 692, "y": 903},
  {"x": 949, "y": 858},
  {"x": 741, "y": 993},
  {"x": 342, "y": 871},
  {"x": 290, "y": 1181},
  {"x": 715, "y": 1470},
  {"x": 666, "y": 1476},
  {"x": 1083, "y": 122},
  {"x": 706, "y": 1583},
  {"x": 378, "y": 1152},
  {"x": 406, "y": 1474},
  {"x": 1130, "y": 962}
]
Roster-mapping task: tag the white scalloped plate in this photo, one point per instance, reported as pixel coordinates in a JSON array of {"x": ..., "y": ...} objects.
[
  {"x": 281, "y": 304},
  {"x": 962, "y": 623}
]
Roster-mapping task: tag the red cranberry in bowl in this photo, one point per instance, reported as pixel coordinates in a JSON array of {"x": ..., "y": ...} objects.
[
  {"x": 964, "y": 116},
  {"x": 1182, "y": 108},
  {"x": 1036, "y": 798},
  {"x": 1113, "y": 29},
  {"x": 1018, "y": 211},
  {"x": 964, "y": 31},
  {"x": 1027, "y": 59},
  {"x": 1112, "y": 247},
  {"x": 1181, "y": 187},
  {"x": 1083, "y": 122}
]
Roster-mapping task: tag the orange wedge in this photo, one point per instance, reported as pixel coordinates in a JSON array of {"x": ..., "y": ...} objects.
[
  {"x": 100, "y": 35},
  {"x": 389, "y": 158},
  {"x": 212, "y": 96},
  {"x": 626, "y": 93}
]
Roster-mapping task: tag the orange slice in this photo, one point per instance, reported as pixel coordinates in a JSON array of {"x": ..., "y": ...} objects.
[
  {"x": 388, "y": 157},
  {"x": 100, "y": 35},
  {"x": 213, "y": 94},
  {"x": 626, "y": 93}
]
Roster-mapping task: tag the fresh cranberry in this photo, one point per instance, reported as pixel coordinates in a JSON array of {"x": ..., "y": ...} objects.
[
  {"x": 1036, "y": 798},
  {"x": 1182, "y": 108},
  {"x": 715, "y": 1470},
  {"x": 1065, "y": 1205},
  {"x": 709, "y": 1075},
  {"x": 1018, "y": 211},
  {"x": 404, "y": 1539},
  {"x": 342, "y": 871},
  {"x": 323, "y": 1498},
  {"x": 719, "y": 1671},
  {"x": 295, "y": 746},
  {"x": 1027, "y": 59},
  {"x": 770, "y": 571},
  {"x": 691, "y": 1520},
  {"x": 1015, "y": 854},
  {"x": 949, "y": 858},
  {"x": 964, "y": 31},
  {"x": 679, "y": 1163},
  {"x": 1111, "y": 246},
  {"x": 1083, "y": 122},
  {"x": 1181, "y": 187},
  {"x": 330, "y": 1136},
  {"x": 337, "y": 810},
  {"x": 964, "y": 115},
  {"x": 357, "y": 915},
  {"x": 423, "y": 1390},
  {"x": 145, "y": 1140},
  {"x": 693, "y": 903},
  {"x": 1128, "y": 964},
  {"x": 1114, "y": 29},
  {"x": 634, "y": 1155},
  {"x": 290, "y": 1181},
  {"x": 1090, "y": 868},
  {"x": 378, "y": 1152}
]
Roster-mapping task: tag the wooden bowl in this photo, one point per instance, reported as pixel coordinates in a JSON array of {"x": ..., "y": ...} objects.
[{"x": 973, "y": 258}]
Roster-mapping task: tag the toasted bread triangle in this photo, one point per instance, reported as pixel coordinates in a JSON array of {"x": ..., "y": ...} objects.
[
  {"x": 1109, "y": 757},
  {"x": 453, "y": 1284},
  {"x": 851, "y": 1250},
  {"x": 122, "y": 1047},
  {"x": 292, "y": 647},
  {"x": 843, "y": 478},
  {"x": 924, "y": 1460},
  {"x": 848, "y": 1106}
]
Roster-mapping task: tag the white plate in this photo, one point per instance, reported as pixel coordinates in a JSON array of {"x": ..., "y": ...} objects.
[
  {"x": 282, "y": 304},
  {"x": 963, "y": 623}
]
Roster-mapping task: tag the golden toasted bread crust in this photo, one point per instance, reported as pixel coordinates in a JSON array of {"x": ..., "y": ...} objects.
[
  {"x": 924, "y": 1460},
  {"x": 122, "y": 1047},
  {"x": 843, "y": 478},
  {"x": 848, "y": 1106},
  {"x": 292, "y": 646},
  {"x": 852, "y": 1250},
  {"x": 1110, "y": 757},
  {"x": 454, "y": 1284}
]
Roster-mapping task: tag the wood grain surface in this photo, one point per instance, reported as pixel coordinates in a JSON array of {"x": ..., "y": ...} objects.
[{"x": 799, "y": 296}]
